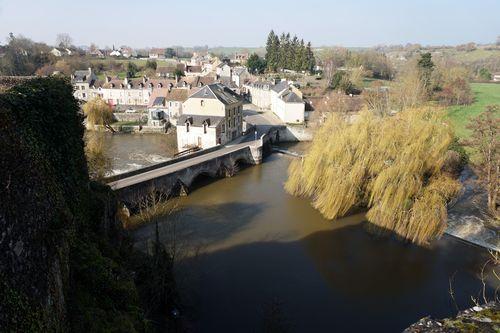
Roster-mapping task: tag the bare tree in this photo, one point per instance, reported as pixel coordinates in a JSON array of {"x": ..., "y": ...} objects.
[
  {"x": 64, "y": 40},
  {"x": 485, "y": 141}
]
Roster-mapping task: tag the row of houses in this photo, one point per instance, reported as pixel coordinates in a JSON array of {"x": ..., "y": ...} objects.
[
  {"x": 205, "y": 111},
  {"x": 283, "y": 98}
]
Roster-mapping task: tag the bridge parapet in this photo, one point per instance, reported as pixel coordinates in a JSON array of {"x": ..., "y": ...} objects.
[{"x": 175, "y": 178}]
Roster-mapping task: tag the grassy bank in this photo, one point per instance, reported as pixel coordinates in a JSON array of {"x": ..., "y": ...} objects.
[{"x": 485, "y": 94}]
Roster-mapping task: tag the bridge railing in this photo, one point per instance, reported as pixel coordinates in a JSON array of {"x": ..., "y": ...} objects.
[{"x": 161, "y": 165}]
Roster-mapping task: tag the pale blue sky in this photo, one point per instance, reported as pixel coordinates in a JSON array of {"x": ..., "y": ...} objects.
[{"x": 246, "y": 23}]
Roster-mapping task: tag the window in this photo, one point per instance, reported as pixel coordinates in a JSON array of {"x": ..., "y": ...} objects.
[
  {"x": 84, "y": 95},
  {"x": 187, "y": 127},
  {"x": 205, "y": 128},
  {"x": 202, "y": 103}
]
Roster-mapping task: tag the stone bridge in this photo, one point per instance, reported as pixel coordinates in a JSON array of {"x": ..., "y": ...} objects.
[{"x": 176, "y": 176}]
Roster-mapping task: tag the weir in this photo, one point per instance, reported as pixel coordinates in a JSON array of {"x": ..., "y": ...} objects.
[{"x": 177, "y": 175}]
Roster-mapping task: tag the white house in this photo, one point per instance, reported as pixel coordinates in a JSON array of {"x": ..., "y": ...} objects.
[
  {"x": 496, "y": 77},
  {"x": 284, "y": 100},
  {"x": 289, "y": 106},
  {"x": 213, "y": 115},
  {"x": 59, "y": 52},
  {"x": 239, "y": 75},
  {"x": 128, "y": 92},
  {"x": 166, "y": 103},
  {"x": 223, "y": 70},
  {"x": 259, "y": 93},
  {"x": 82, "y": 81},
  {"x": 157, "y": 53}
]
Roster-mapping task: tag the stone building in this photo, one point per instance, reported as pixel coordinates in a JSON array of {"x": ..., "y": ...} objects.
[{"x": 213, "y": 115}]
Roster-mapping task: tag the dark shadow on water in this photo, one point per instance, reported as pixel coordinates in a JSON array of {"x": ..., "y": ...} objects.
[
  {"x": 202, "y": 180},
  {"x": 199, "y": 225},
  {"x": 343, "y": 280}
]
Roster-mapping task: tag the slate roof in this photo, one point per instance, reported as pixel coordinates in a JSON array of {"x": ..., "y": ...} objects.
[
  {"x": 262, "y": 84},
  {"x": 198, "y": 121},
  {"x": 193, "y": 69},
  {"x": 217, "y": 91},
  {"x": 82, "y": 76},
  {"x": 280, "y": 86},
  {"x": 136, "y": 83},
  {"x": 291, "y": 97},
  {"x": 159, "y": 101},
  {"x": 228, "y": 82},
  {"x": 239, "y": 70},
  {"x": 177, "y": 95},
  {"x": 196, "y": 81}
]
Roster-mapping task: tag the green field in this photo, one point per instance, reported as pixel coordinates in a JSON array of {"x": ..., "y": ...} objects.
[{"x": 485, "y": 94}]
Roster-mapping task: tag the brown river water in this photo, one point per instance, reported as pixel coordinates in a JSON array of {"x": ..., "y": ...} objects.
[{"x": 250, "y": 255}]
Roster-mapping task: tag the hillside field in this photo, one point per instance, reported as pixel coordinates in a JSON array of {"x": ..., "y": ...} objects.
[{"x": 485, "y": 94}]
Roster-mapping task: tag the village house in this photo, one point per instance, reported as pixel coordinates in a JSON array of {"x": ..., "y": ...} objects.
[
  {"x": 157, "y": 53},
  {"x": 223, "y": 70},
  {"x": 59, "y": 52},
  {"x": 128, "y": 52},
  {"x": 284, "y": 100},
  {"x": 166, "y": 104},
  {"x": 239, "y": 75},
  {"x": 259, "y": 93},
  {"x": 195, "y": 81},
  {"x": 496, "y": 77},
  {"x": 289, "y": 105},
  {"x": 82, "y": 81},
  {"x": 210, "y": 66},
  {"x": 193, "y": 70},
  {"x": 115, "y": 53},
  {"x": 212, "y": 115},
  {"x": 97, "y": 53},
  {"x": 170, "y": 70},
  {"x": 124, "y": 92},
  {"x": 240, "y": 58}
]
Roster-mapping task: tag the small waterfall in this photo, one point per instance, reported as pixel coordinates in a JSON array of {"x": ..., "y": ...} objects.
[{"x": 466, "y": 219}]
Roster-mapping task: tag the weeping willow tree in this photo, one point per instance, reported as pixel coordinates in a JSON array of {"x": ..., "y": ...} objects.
[
  {"x": 98, "y": 112},
  {"x": 391, "y": 165},
  {"x": 98, "y": 162}
]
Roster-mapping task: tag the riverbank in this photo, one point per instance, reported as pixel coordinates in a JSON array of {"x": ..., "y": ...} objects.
[{"x": 485, "y": 318}]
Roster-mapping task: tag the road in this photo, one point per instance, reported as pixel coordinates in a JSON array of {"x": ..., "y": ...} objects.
[{"x": 148, "y": 175}]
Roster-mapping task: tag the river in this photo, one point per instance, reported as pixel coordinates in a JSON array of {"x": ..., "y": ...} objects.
[
  {"x": 134, "y": 151},
  {"x": 250, "y": 256}
]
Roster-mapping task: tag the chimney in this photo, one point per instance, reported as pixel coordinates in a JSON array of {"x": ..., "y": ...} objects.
[{"x": 144, "y": 79}]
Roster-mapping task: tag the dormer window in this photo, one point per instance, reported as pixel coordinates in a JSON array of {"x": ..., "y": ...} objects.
[{"x": 159, "y": 85}]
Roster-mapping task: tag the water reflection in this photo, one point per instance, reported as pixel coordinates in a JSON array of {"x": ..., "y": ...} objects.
[{"x": 248, "y": 244}]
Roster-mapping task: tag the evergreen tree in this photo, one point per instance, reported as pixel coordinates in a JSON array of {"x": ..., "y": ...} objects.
[
  {"x": 426, "y": 66},
  {"x": 271, "y": 51},
  {"x": 284, "y": 52},
  {"x": 295, "y": 54},
  {"x": 311, "y": 61}
]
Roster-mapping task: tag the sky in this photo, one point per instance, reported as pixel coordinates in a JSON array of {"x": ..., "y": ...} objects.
[{"x": 156, "y": 23}]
